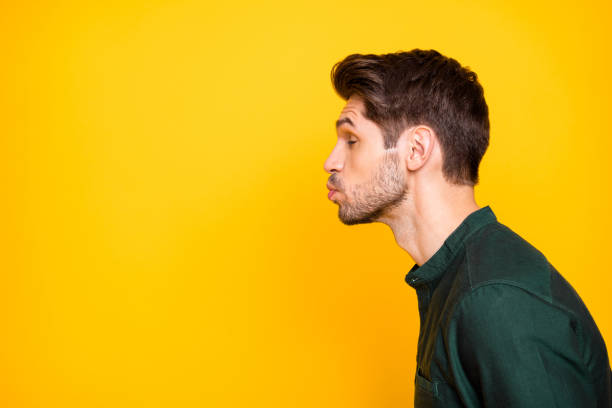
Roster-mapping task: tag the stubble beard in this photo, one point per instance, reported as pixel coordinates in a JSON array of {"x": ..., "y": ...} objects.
[{"x": 373, "y": 199}]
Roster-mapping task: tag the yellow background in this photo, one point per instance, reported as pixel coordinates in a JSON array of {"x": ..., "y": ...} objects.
[{"x": 167, "y": 239}]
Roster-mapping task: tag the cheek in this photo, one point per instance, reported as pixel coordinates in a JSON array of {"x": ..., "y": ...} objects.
[
  {"x": 360, "y": 167},
  {"x": 356, "y": 165}
]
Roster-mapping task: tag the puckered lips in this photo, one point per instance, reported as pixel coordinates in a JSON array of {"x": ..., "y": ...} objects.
[{"x": 332, "y": 190}]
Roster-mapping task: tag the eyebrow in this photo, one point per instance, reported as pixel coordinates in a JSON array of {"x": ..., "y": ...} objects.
[{"x": 342, "y": 121}]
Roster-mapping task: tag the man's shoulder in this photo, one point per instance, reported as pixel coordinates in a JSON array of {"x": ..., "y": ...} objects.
[
  {"x": 497, "y": 254},
  {"x": 498, "y": 259},
  {"x": 495, "y": 259}
]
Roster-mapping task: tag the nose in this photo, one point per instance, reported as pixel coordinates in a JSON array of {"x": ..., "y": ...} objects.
[{"x": 334, "y": 162}]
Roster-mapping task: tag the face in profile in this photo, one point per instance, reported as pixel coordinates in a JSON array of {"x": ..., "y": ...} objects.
[{"x": 366, "y": 180}]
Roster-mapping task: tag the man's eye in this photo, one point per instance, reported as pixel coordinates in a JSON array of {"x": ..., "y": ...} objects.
[{"x": 352, "y": 142}]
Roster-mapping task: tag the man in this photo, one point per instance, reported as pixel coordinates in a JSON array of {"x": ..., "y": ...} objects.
[{"x": 500, "y": 327}]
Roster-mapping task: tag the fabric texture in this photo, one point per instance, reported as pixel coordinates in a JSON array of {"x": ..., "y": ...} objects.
[{"x": 500, "y": 327}]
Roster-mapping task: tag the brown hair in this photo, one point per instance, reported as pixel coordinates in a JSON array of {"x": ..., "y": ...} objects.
[{"x": 404, "y": 89}]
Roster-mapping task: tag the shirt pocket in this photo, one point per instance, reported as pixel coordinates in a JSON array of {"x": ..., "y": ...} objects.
[{"x": 425, "y": 392}]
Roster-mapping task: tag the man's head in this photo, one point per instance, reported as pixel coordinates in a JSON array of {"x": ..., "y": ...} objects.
[{"x": 389, "y": 96}]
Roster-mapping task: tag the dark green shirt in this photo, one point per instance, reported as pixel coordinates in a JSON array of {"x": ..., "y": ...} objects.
[{"x": 500, "y": 327}]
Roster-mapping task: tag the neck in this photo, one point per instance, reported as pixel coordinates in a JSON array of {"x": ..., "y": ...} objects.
[{"x": 425, "y": 219}]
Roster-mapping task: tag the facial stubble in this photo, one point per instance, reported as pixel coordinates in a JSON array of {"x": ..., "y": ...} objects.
[{"x": 382, "y": 193}]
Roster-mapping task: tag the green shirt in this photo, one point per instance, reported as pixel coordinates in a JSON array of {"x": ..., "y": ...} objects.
[{"x": 500, "y": 327}]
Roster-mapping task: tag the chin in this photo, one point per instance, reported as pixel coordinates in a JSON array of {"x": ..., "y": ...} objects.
[{"x": 355, "y": 221}]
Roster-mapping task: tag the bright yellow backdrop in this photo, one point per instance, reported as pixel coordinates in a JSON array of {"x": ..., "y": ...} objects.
[{"x": 167, "y": 240}]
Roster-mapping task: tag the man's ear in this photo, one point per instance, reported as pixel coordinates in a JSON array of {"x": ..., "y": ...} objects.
[{"x": 420, "y": 143}]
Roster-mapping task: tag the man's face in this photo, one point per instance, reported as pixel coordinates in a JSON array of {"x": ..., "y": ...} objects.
[{"x": 368, "y": 180}]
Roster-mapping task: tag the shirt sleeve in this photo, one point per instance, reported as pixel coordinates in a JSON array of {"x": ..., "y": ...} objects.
[{"x": 511, "y": 348}]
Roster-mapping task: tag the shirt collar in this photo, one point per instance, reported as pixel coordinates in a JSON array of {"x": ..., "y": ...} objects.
[{"x": 435, "y": 266}]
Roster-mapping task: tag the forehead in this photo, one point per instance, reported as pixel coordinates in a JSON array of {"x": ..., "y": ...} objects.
[
  {"x": 353, "y": 114},
  {"x": 354, "y": 108}
]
